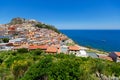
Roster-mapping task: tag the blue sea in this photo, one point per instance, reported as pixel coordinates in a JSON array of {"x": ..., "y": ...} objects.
[{"x": 106, "y": 40}]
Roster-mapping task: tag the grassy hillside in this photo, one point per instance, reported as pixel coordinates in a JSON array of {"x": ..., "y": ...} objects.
[{"x": 40, "y": 25}]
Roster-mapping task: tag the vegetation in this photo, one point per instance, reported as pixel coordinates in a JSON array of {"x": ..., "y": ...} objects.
[
  {"x": 40, "y": 25},
  {"x": 96, "y": 51},
  {"x": 70, "y": 44},
  {"x": 22, "y": 50},
  {"x": 37, "y": 65},
  {"x": 38, "y": 52},
  {"x": 5, "y": 40}
]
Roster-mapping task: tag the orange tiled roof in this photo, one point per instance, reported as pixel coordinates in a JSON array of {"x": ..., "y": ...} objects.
[
  {"x": 43, "y": 46},
  {"x": 11, "y": 28},
  {"x": 32, "y": 47},
  {"x": 76, "y": 48},
  {"x": 52, "y": 50},
  {"x": 106, "y": 57},
  {"x": 117, "y": 53},
  {"x": 55, "y": 45},
  {"x": 38, "y": 47}
]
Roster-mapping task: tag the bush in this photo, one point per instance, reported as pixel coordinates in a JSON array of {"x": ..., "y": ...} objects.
[
  {"x": 14, "y": 53},
  {"x": 18, "y": 68},
  {"x": 38, "y": 71},
  {"x": 1, "y": 61},
  {"x": 47, "y": 27},
  {"x": 22, "y": 50},
  {"x": 38, "y": 52},
  {"x": 5, "y": 40},
  {"x": 10, "y": 59},
  {"x": 48, "y": 69}
]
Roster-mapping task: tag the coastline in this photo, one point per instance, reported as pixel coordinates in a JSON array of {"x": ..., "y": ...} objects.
[
  {"x": 102, "y": 40},
  {"x": 91, "y": 49}
]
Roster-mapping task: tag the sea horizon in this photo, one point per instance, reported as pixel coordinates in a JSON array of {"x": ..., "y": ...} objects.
[
  {"x": 88, "y": 29},
  {"x": 105, "y": 40}
]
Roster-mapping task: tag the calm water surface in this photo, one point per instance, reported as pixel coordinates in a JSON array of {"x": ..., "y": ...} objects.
[{"x": 108, "y": 40}]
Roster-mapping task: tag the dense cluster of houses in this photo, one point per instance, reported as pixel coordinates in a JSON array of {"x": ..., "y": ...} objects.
[{"x": 28, "y": 36}]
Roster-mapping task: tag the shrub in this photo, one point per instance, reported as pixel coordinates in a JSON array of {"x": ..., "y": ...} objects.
[
  {"x": 5, "y": 40},
  {"x": 1, "y": 61},
  {"x": 22, "y": 50},
  {"x": 38, "y": 52},
  {"x": 47, "y": 27}
]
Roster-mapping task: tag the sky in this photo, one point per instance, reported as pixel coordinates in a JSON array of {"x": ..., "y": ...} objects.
[{"x": 65, "y": 14}]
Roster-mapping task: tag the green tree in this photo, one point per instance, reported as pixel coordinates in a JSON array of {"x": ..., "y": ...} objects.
[
  {"x": 5, "y": 40},
  {"x": 1, "y": 60},
  {"x": 10, "y": 60},
  {"x": 39, "y": 71},
  {"x": 22, "y": 50},
  {"x": 49, "y": 69},
  {"x": 18, "y": 68},
  {"x": 38, "y": 52},
  {"x": 3, "y": 72}
]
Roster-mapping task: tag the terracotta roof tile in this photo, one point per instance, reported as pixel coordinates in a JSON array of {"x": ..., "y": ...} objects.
[
  {"x": 32, "y": 47},
  {"x": 52, "y": 50},
  {"x": 117, "y": 53},
  {"x": 56, "y": 45},
  {"x": 76, "y": 48},
  {"x": 106, "y": 57},
  {"x": 44, "y": 47}
]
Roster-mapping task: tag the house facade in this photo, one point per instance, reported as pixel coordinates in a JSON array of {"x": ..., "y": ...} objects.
[
  {"x": 64, "y": 49},
  {"x": 73, "y": 50},
  {"x": 115, "y": 56}
]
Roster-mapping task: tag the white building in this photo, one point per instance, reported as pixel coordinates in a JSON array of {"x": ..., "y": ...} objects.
[
  {"x": 82, "y": 53},
  {"x": 64, "y": 49}
]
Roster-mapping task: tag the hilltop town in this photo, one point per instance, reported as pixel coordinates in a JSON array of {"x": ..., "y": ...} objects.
[
  {"x": 32, "y": 50},
  {"x": 32, "y": 35}
]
